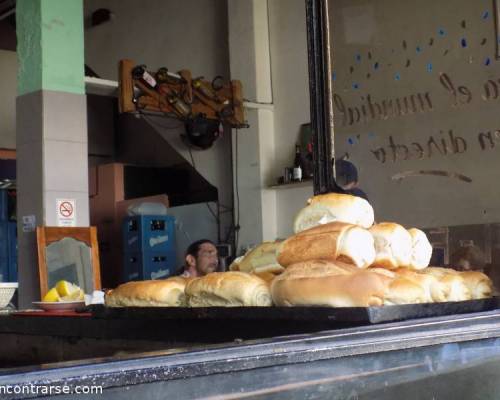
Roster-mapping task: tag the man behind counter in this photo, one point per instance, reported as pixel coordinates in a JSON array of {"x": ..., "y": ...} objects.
[
  {"x": 201, "y": 259},
  {"x": 347, "y": 178}
]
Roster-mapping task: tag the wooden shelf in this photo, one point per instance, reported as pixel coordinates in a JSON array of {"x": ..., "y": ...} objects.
[
  {"x": 102, "y": 87},
  {"x": 304, "y": 183}
]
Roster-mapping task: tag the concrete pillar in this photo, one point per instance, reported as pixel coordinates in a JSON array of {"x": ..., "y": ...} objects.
[
  {"x": 250, "y": 62},
  {"x": 51, "y": 135}
]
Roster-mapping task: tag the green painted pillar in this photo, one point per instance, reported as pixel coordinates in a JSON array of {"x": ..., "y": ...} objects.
[
  {"x": 50, "y": 46},
  {"x": 51, "y": 126}
]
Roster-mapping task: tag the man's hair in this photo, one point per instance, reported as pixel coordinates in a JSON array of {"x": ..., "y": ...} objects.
[
  {"x": 194, "y": 247},
  {"x": 473, "y": 254},
  {"x": 346, "y": 172}
]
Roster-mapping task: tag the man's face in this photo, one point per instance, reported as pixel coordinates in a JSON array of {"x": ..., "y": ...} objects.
[{"x": 207, "y": 260}]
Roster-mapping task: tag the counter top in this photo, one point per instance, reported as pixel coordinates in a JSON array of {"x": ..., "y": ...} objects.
[{"x": 173, "y": 364}]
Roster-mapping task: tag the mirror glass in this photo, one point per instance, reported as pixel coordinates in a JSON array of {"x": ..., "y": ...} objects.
[{"x": 69, "y": 259}]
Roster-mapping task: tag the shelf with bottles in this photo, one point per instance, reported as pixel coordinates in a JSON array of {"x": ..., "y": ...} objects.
[{"x": 303, "y": 183}]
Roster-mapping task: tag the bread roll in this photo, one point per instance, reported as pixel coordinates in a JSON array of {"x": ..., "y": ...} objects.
[
  {"x": 158, "y": 293},
  {"x": 332, "y": 241},
  {"x": 333, "y": 284},
  {"x": 228, "y": 289},
  {"x": 455, "y": 288},
  {"x": 393, "y": 245},
  {"x": 235, "y": 265},
  {"x": 479, "y": 285},
  {"x": 435, "y": 291},
  {"x": 404, "y": 291},
  {"x": 261, "y": 259},
  {"x": 266, "y": 276},
  {"x": 333, "y": 207},
  {"x": 421, "y": 251}
]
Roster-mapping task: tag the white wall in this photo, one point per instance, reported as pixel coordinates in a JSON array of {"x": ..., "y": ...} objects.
[
  {"x": 177, "y": 34},
  {"x": 290, "y": 82},
  {"x": 8, "y": 89}
]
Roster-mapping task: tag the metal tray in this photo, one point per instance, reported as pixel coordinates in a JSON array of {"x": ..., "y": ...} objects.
[{"x": 328, "y": 316}]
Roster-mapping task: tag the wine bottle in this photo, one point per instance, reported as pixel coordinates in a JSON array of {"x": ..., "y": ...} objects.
[
  {"x": 207, "y": 92},
  {"x": 140, "y": 72},
  {"x": 298, "y": 165}
]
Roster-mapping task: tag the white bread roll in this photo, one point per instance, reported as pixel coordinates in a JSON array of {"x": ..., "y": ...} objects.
[
  {"x": 334, "y": 207},
  {"x": 330, "y": 284},
  {"x": 228, "y": 289},
  {"x": 479, "y": 285},
  {"x": 435, "y": 291},
  {"x": 334, "y": 241},
  {"x": 260, "y": 259},
  {"x": 421, "y": 252},
  {"x": 454, "y": 283},
  {"x": 393, "y": 245},
  {"x": 404, "y": 291},
  {"x": 158, "y": 293}
]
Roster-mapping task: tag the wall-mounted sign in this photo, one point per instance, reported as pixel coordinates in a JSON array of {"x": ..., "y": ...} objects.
[{"x": 66, "y": 212}]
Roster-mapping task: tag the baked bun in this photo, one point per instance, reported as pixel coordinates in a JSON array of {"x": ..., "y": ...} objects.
[
  {"x": 330, "y": 284},
  {"x": 158, "y": 293},
  {"x": 404, "y": 291},
  {"x": 479, "y": 285},
  {"x": 228, "y": 289},
  {"x": 454, "y": 284},
  {"x": 421, "y": 251},
  {"x": 333, "y": 241},
  {"x": 435, "y": 291},
  {"x": 260, "y": 259},
  {"x": 393, "y": 245},
  {"x": 333, "y": 207}
]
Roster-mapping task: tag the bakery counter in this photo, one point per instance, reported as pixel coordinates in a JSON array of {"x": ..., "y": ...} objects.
[{"x": 450, "y": 357}]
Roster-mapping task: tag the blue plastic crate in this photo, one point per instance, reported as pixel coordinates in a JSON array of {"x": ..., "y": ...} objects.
[
  {"x": 12, "y": 234},
  {"x": 149, "y": 233},
  {"x": 139, "y": 266},
  {"x": 4, "y": 240},
  {"x": 4, "y": 205}
]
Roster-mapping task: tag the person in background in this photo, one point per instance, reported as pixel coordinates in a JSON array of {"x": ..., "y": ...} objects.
[
  {"x": 201, "y": 259},
  {"x": 468, "y": 258},
  {"x": 347, "y": 178}
]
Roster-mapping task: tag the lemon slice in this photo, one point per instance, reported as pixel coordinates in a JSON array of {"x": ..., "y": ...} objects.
[
  {"x": 51, "y": 295},
  {"x": 77, "y": 295},
  {"x": 65, "y": 288}
]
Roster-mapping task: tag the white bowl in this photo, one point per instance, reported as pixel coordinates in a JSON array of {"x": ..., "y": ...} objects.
[{"x": 7, "y": 290}]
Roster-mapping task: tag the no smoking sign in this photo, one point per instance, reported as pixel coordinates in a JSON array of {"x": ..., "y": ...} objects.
[{"x": 66, "y": 212}]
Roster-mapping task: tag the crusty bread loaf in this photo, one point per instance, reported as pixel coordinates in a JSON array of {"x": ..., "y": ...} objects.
[
  {"x": 435, "y": 291},
  {"x": 333, "y": 207},
  {"x": 421, "y": 252},
  {"x": 393, "y": 245},
  {"x": 260, "y": 259},
  {"x": 228, "y": 289},
  {"x": 266, "y": 275},
  {"x": 158, "y": 293},
  {"x": 454, "y": 284},
  {"x": 479, "y": 285},
  {"x": 235, "y": 265},
  {"x": 404, "y": 291},
  {"x": 333, "y": 284},
  {"x": 333, "y": 241}
]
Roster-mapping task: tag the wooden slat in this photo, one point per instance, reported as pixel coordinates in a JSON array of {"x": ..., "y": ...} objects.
[{"x": 126, "y": 86}]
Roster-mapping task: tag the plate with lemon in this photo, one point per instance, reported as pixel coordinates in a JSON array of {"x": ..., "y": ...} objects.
[{"x": 64, "y": 296}]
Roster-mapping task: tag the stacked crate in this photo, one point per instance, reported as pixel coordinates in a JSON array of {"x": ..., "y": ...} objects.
[
  {"x": 149, "y": 247},
  {"x": 8, "y": 242}
]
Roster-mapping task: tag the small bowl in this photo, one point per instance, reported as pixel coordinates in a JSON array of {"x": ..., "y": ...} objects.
[{"x": 7, "y": 290}]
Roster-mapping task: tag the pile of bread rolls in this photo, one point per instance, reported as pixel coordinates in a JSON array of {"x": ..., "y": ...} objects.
[{"x": 337, "y": 257}]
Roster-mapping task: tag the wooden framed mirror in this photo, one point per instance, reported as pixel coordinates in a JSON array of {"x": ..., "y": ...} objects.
[{"x": 68, "y": 253}]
